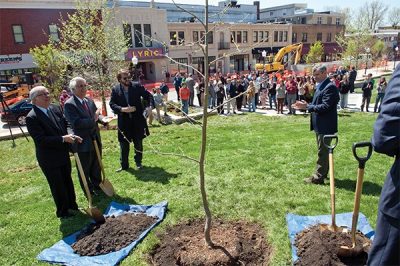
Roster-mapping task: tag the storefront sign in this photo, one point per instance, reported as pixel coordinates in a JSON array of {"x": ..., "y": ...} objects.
[
  {"x": 145, "y": 53},
  {"x": 16, "y": 61},
  {"x": 5, "y": 59}
]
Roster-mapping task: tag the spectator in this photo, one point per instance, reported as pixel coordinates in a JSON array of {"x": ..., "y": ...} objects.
[
  {"x": 158, "y": 103},
  {"x": 251, "y": 96},
  {"x": 220, "y": 97},
  {"x": 291, "y": 93},
  {"x": 231, "y": 91},
  {"x": 63, "y": 98},
  {"x": 164, "y": 91},
  {"x": 190, "y": 84},
  {"x": 352, "y": 78},
  {"x": 367, "y": 87},
  {"x": 177, "y": 84},
  {"x": 344, "y": 88},
  {"x": 381, "y": 92},
  {"x": 184, "y": 96},
  {"x": 281, "y": 92},
  {"x": 272, "y": 95}
]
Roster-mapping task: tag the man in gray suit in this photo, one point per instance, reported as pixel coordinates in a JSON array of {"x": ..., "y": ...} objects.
[{"x": 83, "y": 116}]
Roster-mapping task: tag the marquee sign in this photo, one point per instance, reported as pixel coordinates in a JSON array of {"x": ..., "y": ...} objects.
[{"x": 145, "y": 53}]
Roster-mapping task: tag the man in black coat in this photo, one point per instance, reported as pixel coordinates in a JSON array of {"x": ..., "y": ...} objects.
[
  {"x": 386, "y": 140},
  {"x": 82, "y": 114},
  {"x": 352, "y": 78},
  {"x": 48, "y": 128},
  {"x": 324, "y": 119},
  {"x": 126, "y": 101}
]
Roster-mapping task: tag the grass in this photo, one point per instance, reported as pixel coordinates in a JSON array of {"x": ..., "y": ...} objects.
[{"x": 255, "y": 171}]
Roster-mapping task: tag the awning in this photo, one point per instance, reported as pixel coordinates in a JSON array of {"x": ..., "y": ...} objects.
[{"x": 259, "y": 50}]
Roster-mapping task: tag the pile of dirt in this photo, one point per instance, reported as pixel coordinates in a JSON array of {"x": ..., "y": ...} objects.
[
  {"x": 116, "y": 233},
  {"x": 321, "y": 248},
  {"x": 238, "y": 243}
]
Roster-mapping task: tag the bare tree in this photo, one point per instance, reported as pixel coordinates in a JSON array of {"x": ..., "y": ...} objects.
[
  {"x": 394, "y": 16},
  {"x": 374, "y": 13}
]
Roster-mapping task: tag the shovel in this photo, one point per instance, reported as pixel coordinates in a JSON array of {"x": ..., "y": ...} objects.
[
  {"x": 330, "y": 148},
  {"x": 105, "y": 184},
  {"x": 354, "y": 250},
  {"x": 91, "y": 211}
]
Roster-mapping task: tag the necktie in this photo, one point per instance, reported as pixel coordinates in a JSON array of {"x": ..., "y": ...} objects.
[
  {"x": 51, "y": 116},
  {"x": 86, "y": 107}
]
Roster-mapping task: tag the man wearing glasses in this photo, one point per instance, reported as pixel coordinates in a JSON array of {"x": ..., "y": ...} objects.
[
  {"x": 83, "y": 116},
  {"x": 323, "y": 119},
  {"x": 126, "y": 101},
  {"x": 48, "y": 128}
]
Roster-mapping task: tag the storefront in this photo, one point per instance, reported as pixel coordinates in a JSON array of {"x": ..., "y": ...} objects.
[
  {"x": 239, "y": 63},
  {"x": 151, "y": 62},
  {"x": 14, "y": 67}
]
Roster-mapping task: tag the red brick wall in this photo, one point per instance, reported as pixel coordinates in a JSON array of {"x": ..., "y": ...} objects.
[{"x": 35, "y": 26}]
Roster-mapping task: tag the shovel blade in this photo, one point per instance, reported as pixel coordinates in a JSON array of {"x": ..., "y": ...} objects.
[
  {"x": 107, "y": 187},
  {"x": 95, "y": 214}
]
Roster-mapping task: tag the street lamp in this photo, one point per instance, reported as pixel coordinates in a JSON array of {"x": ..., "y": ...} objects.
[
  {"x": 394, "y": 57},
  {"x": 264, "y": 54},
  {"x": 135, "y": 61},
  {"x": 367, "y": 50}
]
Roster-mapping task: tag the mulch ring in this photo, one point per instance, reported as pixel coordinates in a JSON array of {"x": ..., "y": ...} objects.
[
  {"x": 238, "y": 243},
  {"x": 116, "y": 233},
  {"x": 321, "y": 248}
]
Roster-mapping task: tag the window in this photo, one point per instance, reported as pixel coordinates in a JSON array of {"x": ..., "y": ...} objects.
[
  {"x": 329, "y": 21},
  {"x": 195, "y": 36},
  {"x": 319, "y": 36},
  {"x": 275, "y": 36},
  {"x": 18, "y": 33},
  {"x": 285, "y": 34},
  {"x": 172, "y": 37},
  {"x": 255, "y": 36},
  {"x": 266, "y": 36},
  {"x": 271, "y": 13},
  {"x": 280, "y": 36},
  {"x": 128, "y": 34},
  {"x": 181, "y": 37},
  {"x": 329, "y": 37},
  {"x": 319, "y": 20},
  {"x": 239, "y": 37},
  {"x": 147, "y": 35},
  {"x": 210, "y": 37},
  {"x": 294, "y": 37},
  {"x": 53, "y": 32},
  {"x": 244, "y": 36},
  {"x": 337, "y": 21},
  {"x": 304, "y": 37},
  {"x": 137, "y": 31},
  {"x": 233, "y": 36},
  {"x": 260, "y": 36}
]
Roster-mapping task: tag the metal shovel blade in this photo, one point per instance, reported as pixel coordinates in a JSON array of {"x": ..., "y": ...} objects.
[{"x": 105, "y": 184}]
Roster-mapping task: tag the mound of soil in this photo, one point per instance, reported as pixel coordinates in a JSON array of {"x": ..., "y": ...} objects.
[
  {"x": 321, "y": 248},
  {"x": 116, "y": 233},
  {"x": 238, "y": 243}
]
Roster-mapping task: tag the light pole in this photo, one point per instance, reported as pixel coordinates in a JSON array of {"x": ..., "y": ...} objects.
[
  {"x": 135, "y": 61},
  {"x": 366, "y": 60},
  {"x": 394, "y": 57},
  {"x": 264, "y": 54}
]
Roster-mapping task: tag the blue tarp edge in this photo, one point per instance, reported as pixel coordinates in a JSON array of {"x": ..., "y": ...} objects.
[{"x": 62, "y": 253}]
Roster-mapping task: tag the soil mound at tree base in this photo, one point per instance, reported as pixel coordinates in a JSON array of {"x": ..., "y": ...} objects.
[
  {"x": 116, "y": 233},
  {"x": 238, "y": 243},
  {"x": 321, "y": 248}
]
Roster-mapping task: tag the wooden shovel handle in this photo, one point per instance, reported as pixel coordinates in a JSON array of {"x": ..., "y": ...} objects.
[
  {"x": 83, "y": 177},
  {"x": 357, "y": 197},
  {"x": 96, "y": 147},
  {"x": 332, "y": 188}
]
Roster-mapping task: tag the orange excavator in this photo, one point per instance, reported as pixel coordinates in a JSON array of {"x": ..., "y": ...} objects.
[{"x": 277, "y": 63}]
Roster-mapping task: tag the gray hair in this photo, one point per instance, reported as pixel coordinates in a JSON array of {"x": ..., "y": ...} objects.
[
  {"x": 72, "y": 83},
  {"x": 320, "y": 68},
  {"x": 35, "y": 91}
]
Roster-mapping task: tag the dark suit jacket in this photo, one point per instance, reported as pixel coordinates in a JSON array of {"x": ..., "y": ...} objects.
[
  {"x": 133, "y": 125},
  {"x": 51, "y": 152},
  {"x": 82, "y": 122},
  {"x": 323, "y": 109},
  {"x": 386, "y": 140}
]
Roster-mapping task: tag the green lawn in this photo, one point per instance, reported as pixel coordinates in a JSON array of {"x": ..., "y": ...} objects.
[{"x": 255, "y": 171}]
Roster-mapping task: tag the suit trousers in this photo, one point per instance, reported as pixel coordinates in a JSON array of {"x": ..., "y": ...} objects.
[
  {"x": 386, "y": 245},
  {"x": 124, "y": 156},
  {"x": 61, "y": 187},
  {"x": 322, "y": 168},
  {"x": 91, "y": 168}
]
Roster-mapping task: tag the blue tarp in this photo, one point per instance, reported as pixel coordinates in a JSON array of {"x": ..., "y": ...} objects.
[
  {"x": 62, "y": 253},
  {"x": 297, "y": 223}
]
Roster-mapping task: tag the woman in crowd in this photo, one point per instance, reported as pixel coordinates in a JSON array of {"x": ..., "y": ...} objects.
[
  {"x": 280, "y": 95},
  {"x": 344, "y": 88},
  {"x": 381, "y": 92}
]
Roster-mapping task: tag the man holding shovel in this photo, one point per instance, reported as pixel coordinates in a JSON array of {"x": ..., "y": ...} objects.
[
  {"x": 324, "y": 119},
  {"x": 48, "y": 128},
  {"x": 386, "y": 139}
]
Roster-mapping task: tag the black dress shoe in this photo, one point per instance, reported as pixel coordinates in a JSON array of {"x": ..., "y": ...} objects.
[{"x": 120, "y": 169}]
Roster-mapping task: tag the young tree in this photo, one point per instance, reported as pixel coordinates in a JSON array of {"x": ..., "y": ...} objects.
[
  {"x": 315, "y": 53},
  {"x": 394, "y": 16},
  {"x": 374, "y": 13}
]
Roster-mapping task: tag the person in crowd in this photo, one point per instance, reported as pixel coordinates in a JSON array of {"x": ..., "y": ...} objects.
[
  {"x": 280, "y": 95},
  {"x": 264, "y": 84},
  {"x": 352, "y": 78},
  {"x": 251, "y": 96},
  {"x": 257, "y": 86},
  {"x": 177, "y": 84},
  {"x": 184, "y": 95},
  {"x": 324, "y": 119},
  {"x": 300, "y": 88},
  {"x": 220, "y": 97},
  {"x": 386, "y": 140},
  {"x": 64, "y": 96},
  {"x": 48, "y": 129},
  {"x": 126, "y": 102},
  {"x": 272, "y": 95},
  {"x": 83, "y": 116},
  {"x": 291, "y": 93},
  {"x": 190, "y": 84},
  {"x": 200, "y": 95},
  {"x": 212, "y": 96},
  {"x": 148, "y": 110},
  {"x": 381, "y": 92},
  {"x": 308, "y": 90},
  {"x": 231, "y": 91},
  {"x": 164, "y": 91},
  {"x": 159, "y": 103},
  {"x": 344, "y": 88},
  {"x": 240, "y": 89},
  {"x": 367, "y": 88}
]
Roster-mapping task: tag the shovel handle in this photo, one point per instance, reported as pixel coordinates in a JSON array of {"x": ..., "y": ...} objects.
[
  {"x": 96, "y": 147},
  {"x": 83, "y": 177},
  {"x": 330, "y": 146},
  {"x": 362, "y": 160}
]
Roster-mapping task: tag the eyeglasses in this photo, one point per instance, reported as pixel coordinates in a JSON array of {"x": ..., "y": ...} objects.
[{"x": 43, "y": 94}]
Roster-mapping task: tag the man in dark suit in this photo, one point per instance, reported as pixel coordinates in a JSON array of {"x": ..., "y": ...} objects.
[
  {"x": 323, "y": 119},
  {"x": 386, "y": 139},
  {"x": 82, "y": 114},
  {"x": 48, "y": 128},
  {"x": 126, "y": 101}
]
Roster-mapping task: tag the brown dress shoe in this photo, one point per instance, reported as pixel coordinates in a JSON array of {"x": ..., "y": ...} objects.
[{"x": 314, "y": 180}]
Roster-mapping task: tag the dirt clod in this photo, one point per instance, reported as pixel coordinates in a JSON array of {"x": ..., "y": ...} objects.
[
  {"x": 322, "y": 248},
  {"x": 115, "y": 234},
  {"x": 237, "y": 243}
]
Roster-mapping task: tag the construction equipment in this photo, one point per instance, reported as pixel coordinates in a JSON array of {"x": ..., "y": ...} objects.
[
  {"x": 13, "y": 90},
  {"x": 354, "y": 250},
  {"x": 277, "y": 64}
]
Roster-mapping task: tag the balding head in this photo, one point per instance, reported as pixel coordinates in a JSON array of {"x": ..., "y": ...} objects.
[{"x": 40, "y": 96}]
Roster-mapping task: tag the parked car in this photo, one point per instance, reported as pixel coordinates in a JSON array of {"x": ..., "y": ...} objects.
[{"x": 17, "y": 112}]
